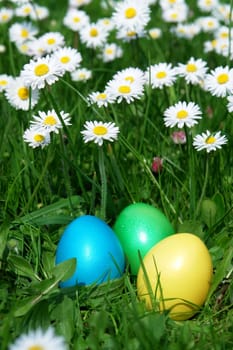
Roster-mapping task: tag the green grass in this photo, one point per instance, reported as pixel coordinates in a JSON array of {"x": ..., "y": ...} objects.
[{"x": 41, "y": 191}]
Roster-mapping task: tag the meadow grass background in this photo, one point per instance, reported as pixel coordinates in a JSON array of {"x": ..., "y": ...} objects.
[{"x": 42, "y": 190}]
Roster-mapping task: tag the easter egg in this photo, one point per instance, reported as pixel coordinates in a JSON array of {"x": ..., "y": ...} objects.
[
  {"x": 176, "y": 274},
  {"x": 139, "y": 227},
  {"x": 98, "y": 252}
]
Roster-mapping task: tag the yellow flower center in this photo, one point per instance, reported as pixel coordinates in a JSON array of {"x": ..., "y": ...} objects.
[
  {"x": 3, "y": 82},
  {"x": 130, "y": 12},
  {"x": 211, "y": 139},
  {"x": 191, "y": 67},
  {"x": 5, "y": 17},
  {"x": 36, "y": 347},
  {"x": 172, "y": 1},
  {"x": 130, "y": 79},
  {"x": 50, "y": 120},
  {"x": 24, "y": 33},
  {"x": 174, "y": 15},
  {"x": 65, "y": 59},
  {"x": 76, "y": 19},
  {"x": 51, "y": 41},
  {"x": 182, "y": 114},
  {"x": 37, "y": 138},
  {"x": 101, "y": 96},
  {"x": 153, "y": 34},
  {"x": 41, "y": 69},
  {"x": 82, "y": 75},
  {"x": 208, "y": 2},
  {"x": 161, "y": 75},
  {"x": 131, "y": 33},
  {"x": 106, "y": 21},
  {"x": 124, "y": 89},
  {"x": 214, "y": 43},
  {"x": 24, "y": 48},
  {"x": 100, "y": 130},
  {"x": 210, "y": 23},
  {"x": 109, "y": 51},
  {"x": 224, "y": 35},
  {"x": 94, "y": 32},
  {"x": 223, "y": 78},
  {"x": 27, "y": 10},
  {"x": 23, "y": 93}
]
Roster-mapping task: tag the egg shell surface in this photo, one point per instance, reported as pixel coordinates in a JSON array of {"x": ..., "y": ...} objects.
[
  {"x": 98, "y": 252},
  {"x": 179, "y": 270},
  {"x": 139, "y": 227}
]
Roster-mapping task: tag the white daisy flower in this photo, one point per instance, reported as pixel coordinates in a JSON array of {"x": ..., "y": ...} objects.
[
  {"x": 219, "y": 82},
  {"x": 5, "y": 79},
  {"x": 36, "y": 48},
  {"x": 155, "y": 33},
  {"x": 207, "y": 5},
  {"x": 160, "y": 75},
  {"x": 193, "y": 71},
  {"x": 100, "y": 98},
  {"x": 25, "y": 47},
  {"x": 52, "y": 41},
  {"x": 222, "y": 47},
  {"x": 68, "y": 57},
  {"x": 175, "y": 14},
  {"x": 131, "y": 14},
  {"x": 131, "y": 75},
  {"x": 182, "y": 114},
  {"x": 19, "y": 95},
  {"x": 127, "y": 85},
  {"x": 124, "y": 90},
  {"x": 210, "y": 45},
  {"x": 36, "y": 137},
  {"x": 20, "y": 32},
  {"x": 186, "y": 30},
  {"x": 6, "y": 15},
  {"x": 23, "y": 10},
  {"x": 39, "y": 339},
  {"x": 106, "y": 23},
  {"x": 99, "y": 132},
  {"x": 223, "y": 13},
  {"x": 76, "y": 19},
  {"x": 44, "y": 70},
  {"x": 223, "y": 32},
  {"x": 209, "y": 141},
  {"x": 208, "y": 24},
  {"x": 81, "y": 74},
  {"x": 110, "y": 52},
  {"x": 2, "y": 48},
  {"x": 165, "y": 4},
  {"x": 93, "y": 35},
  {"x": 78, "y": 3},
  {"x": 39, "y": 12},
  {"x": 50, "y": 121},
  {"x": 129, "y": 35}
]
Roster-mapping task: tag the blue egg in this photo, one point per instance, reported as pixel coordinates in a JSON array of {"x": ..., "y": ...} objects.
[{"x": 98, "y": 251}]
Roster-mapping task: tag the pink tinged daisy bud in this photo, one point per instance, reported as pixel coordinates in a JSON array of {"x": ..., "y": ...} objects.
[
  {"x": 157, "y": 165},
  {"x": 209, "y": 112},
  {"x": 178, "y": 137}
]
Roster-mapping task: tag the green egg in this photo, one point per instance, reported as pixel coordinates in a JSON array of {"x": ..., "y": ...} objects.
[{"x": 139, "y": 227}]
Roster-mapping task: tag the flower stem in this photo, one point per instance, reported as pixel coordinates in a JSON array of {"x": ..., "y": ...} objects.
[
  {"x": 192, "y": 176},
  {"x": 203, "y": 187},
  {"x": 103, "y": 184}
]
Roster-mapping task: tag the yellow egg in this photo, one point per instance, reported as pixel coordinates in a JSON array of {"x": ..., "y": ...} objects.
[{"x": 176, "y": 275}]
